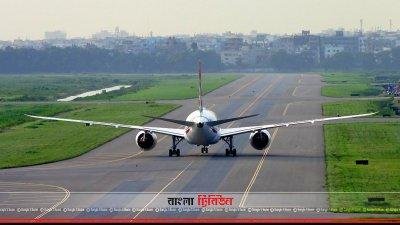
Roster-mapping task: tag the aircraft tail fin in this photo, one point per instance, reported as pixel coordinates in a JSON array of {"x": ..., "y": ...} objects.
[{"x": 200, "y": 91}]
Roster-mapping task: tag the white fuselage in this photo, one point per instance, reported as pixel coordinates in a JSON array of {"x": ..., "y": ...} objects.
[{"x": 201, "y": 133}]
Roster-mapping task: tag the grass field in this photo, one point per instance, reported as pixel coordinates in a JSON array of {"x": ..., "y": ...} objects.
[
  {"x": 346, "y": 78},
  {"x": 358, "y": 107},
  {"x": 348, "y": 85},
  {"x": 350, "y": 90},
  {"x": 50, "y": 87},
  {"x": 13, "y": 114},
  {"x": 41, "y": 141},
  {"x": 42, "y": 87},
  {"x": 178, "y": 87},
  {"x": 377, "y": 142}
]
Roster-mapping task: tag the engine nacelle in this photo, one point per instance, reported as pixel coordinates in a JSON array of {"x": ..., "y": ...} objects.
[
  {"x": 260, "y": 139},
  {"x": 146, "y": 140}
]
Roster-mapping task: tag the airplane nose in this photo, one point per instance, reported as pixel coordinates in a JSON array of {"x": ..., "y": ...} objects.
[{"x": 200, "y": 125}]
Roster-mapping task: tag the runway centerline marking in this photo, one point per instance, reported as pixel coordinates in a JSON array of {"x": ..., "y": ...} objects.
[
  {"x": 241, "y": 88},
  {"x": 300, "y": 79},
  {"x": 286, "y": 108},
  {"x": 165, "y": 187},
  {"x": 257, "y": 99},
  {"x": 257, "y": 171},
  {"x": 294, "y": 91},
  {"x": 260, "y": 164}
]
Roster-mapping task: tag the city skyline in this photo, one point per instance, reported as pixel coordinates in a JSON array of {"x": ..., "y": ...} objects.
[{"x": 30, "y": 19}]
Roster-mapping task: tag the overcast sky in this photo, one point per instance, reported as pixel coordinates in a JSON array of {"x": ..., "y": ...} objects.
[{"x": 31, "y": 18}]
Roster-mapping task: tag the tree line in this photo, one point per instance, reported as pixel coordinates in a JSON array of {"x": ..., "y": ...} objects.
[
  {"x": 344, "y": 61},
  {"x": 91, "y": 59}
]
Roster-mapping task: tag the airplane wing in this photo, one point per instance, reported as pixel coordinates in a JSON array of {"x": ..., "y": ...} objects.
[
  {"x": 241, "y": 130},
  {"x": 167, "y": 131}
]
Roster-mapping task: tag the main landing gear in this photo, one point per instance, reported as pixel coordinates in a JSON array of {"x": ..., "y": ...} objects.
[
  {"x": 231, "y": 150},
  {"x": 174, "y": 151},
  {"x": 204, "y": 150}
]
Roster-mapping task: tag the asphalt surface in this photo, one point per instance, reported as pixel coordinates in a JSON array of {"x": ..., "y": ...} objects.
[{"x": 289, "y": 175}]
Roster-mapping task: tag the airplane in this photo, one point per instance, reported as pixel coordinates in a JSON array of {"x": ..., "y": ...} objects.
[{"x": 201, "y": 128}]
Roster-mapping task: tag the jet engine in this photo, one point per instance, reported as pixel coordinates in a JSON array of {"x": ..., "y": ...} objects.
[
  {"x": 260, "y": 139},
  {"x": 146, "y": 140}
]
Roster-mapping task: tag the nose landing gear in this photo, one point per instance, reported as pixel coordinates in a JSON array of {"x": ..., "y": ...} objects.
[
  {"x": 173, "y": 152},
  {"x": 204, "y": 150}
]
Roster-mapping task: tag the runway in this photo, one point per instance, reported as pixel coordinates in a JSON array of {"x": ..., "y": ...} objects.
[{"x": 289, "y": 174}]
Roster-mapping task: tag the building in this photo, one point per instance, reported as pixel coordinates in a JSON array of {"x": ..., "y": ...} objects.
[
  {"x": 231, "y": 57},
  {"x": 171, "y": 45},
  {"x": 254, "y": 55},
  {"x": 238, "y": 53},
  {"x": 120, "y": 33},
  {"x": 232, "y": 44},
  {"x": 285, "y": 44},
  {"x": 103, "y": 34},
  {"x": 231, "y": 50},
  {"x": 339, "y": 42},
  {"x": 5, "y": 44},
  {"x": 308, "y": 44},
  {"x": 204, "y": 42},
  {"x": 331, "y": 50},
  {"x": 55, "y": 35}
]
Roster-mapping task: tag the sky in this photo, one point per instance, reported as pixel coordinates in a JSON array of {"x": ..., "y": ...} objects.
[{"x": 29, "y": 19}]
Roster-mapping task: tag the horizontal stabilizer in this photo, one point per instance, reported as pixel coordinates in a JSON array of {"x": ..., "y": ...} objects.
[
  {"x": 218, "y": 122},
  {"x": 181, "y": 122}
]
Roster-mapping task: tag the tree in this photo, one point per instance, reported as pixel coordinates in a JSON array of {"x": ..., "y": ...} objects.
[{"x": 340, "y": 61}]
